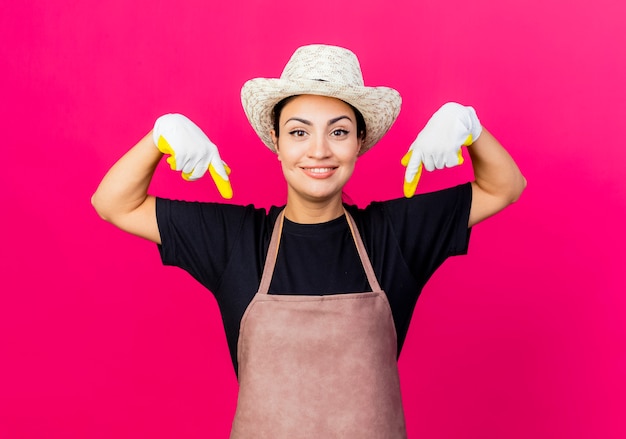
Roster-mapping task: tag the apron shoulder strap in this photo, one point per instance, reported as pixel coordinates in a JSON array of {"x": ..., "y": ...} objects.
[
  {"x": 272, "y": 253},
  {"x": 365, "y": 260}
]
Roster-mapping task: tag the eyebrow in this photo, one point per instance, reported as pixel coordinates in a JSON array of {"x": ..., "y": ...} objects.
[{"x": 307, "y": 122}]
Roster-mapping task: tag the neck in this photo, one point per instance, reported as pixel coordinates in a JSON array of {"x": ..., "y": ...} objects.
[{"x": 305, "y": 212}]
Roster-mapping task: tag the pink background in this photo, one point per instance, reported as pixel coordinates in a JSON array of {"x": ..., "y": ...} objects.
[{"x": 525, "y": 337}]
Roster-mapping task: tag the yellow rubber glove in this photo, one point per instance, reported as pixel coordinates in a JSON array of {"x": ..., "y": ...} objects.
[
  {"x": 190, "y": 151},
  {"x": 439, "y": 143}
]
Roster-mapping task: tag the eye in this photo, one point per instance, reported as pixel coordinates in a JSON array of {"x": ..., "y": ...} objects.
[
  {"x": 297, "y": 133},
  {"x": 339, "y": 132}
]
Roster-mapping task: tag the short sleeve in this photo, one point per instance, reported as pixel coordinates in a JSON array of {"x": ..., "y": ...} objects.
[
  {"x": 198, "y": 237},
  {"x": 431, "y": 227}
]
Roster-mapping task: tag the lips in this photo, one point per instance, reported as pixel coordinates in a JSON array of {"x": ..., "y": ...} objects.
[{"x": 319, "y": 171}]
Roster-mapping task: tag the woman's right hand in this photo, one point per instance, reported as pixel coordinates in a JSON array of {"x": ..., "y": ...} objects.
[{"x": 190, "y": 151}]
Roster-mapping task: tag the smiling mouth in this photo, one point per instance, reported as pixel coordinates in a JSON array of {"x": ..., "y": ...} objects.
[{"x": 319, "y": 170}]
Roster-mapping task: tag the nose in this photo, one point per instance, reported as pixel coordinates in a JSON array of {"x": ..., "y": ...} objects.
[{"x": 319, "y": 147}]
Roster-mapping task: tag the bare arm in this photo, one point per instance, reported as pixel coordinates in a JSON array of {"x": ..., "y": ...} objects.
[
  {"x": 122, "y": 196},
  {"x": 498, "y": 181}
]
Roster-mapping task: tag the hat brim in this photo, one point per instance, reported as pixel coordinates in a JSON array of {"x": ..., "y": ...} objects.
[{"x": 379, "y": 106}]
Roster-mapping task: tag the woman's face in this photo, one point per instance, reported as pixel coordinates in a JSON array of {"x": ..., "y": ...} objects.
[{"x": 317, "y": 146}]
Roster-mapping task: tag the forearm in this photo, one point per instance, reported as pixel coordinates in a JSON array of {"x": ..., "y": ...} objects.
[
  {"x": 495, "y": 171},
  {"x": 125, "y": 186},
  {"x": 498, "y": 181}
]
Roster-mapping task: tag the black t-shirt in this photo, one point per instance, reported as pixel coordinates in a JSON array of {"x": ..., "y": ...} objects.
[{"x": 224, "y": 246}]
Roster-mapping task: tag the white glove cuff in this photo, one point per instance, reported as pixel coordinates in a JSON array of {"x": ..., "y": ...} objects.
[
  {"x": 156, "y": 131},
  {"x": 167, "y": 122},
  {"x": 475, "y": 128}
]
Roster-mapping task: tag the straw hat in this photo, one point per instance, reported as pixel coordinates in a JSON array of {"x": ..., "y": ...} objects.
[{"x": 327, "y": 71}]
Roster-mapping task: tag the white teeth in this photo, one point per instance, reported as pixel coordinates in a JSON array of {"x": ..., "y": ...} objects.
[{"x": 319, "y": 170}]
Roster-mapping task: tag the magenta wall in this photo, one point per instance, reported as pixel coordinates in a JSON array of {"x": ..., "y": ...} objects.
[{"x": 524, "y": 337}]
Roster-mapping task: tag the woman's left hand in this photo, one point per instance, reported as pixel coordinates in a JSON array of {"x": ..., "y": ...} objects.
[{"x": 439, "y": 143}]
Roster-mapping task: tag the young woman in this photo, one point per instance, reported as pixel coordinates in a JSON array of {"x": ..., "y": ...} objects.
[{"x": 316, "y": 296}]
